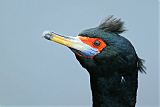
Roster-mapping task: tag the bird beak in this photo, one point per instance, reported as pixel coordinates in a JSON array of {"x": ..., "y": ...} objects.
[{"x": 74, "y": 43}]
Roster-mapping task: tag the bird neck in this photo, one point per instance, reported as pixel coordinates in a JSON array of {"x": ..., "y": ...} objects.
[{"x": 112, "y": 91}]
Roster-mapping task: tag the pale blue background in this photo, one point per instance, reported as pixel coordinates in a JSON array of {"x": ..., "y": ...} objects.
[{"x": 34, "y": 71}]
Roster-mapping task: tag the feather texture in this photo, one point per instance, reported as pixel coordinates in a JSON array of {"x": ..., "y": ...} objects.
[{"x": 112, "y": 24}]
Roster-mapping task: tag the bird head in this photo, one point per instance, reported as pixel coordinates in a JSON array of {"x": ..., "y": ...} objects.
[{"x": 101, "y": 47}]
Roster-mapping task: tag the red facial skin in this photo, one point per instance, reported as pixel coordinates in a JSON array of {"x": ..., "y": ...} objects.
[{"x": 91, "y": 41}]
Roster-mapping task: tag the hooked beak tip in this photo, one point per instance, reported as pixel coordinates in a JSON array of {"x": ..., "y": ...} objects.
[{"x": 47, "y": 35}]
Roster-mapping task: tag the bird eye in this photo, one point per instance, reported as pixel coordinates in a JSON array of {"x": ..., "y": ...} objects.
[{"x": 97, "y": 43}]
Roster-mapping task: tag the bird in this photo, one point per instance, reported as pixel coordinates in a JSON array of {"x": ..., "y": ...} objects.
[{"x": 110, "y": 59}]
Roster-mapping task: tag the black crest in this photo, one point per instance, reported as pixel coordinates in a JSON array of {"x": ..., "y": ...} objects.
[{"x": 112, "y": 24}]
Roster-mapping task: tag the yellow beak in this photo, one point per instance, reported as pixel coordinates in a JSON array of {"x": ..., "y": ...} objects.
[{"x": 71, "y": 42}]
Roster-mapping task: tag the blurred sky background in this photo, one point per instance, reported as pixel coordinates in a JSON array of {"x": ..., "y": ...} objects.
[{"x": 37, "y": 72}]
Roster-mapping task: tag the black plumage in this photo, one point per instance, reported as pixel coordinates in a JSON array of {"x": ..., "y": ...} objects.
[
  {"x": 113, "y": 72},
  {"x": 113, "y": 68}
]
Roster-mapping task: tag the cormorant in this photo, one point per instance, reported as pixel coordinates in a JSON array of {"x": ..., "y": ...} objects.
[{"x": 110, "y": 59}]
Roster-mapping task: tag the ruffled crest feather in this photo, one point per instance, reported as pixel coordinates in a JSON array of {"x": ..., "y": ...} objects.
[{"x": 112, "y": 24}]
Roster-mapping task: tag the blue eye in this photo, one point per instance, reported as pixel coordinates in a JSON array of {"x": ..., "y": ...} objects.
[{"x": 97, "y": 43}]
